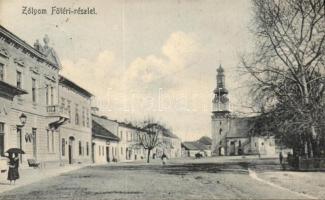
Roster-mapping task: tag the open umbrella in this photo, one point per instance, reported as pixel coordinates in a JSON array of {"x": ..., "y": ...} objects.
[{"x": 15, "y": 150}]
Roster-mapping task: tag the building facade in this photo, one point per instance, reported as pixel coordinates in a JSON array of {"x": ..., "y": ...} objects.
[
  {"x": 104, "y": 142},
  {"x": 169, "y": 144},
  {"x": 129, "y": 148},
  {"x": 29, "y": 79},
  {"x": 75, "y": 134}
]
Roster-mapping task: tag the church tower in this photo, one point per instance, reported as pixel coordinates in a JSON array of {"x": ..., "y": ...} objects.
[{"x": 220, "y": 118}]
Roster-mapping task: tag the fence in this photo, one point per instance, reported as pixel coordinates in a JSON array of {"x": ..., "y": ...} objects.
[{"x": 305, "y": 164}]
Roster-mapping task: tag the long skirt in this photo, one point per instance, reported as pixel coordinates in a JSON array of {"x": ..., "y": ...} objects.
[{"x": 13, "y": 174}]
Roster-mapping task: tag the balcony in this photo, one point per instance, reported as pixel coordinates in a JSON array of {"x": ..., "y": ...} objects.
[
  {"x": 60, "y": 113},
  {"x": 57, "y": 111}
]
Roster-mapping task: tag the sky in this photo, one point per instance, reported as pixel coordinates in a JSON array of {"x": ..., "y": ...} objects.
[{"x": 145, "y": 59}]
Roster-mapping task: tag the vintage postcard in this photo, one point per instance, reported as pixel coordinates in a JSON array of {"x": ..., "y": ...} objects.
[{"x": 162, "y": 99}]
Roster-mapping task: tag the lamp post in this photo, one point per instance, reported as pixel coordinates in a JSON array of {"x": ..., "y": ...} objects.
[{"x": 23, "y": 120}]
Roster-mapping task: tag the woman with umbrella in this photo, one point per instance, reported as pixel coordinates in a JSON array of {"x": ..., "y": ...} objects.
[{"x": 13, "y": 173}]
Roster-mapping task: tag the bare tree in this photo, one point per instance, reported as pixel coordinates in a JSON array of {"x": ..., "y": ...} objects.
[
  {"x": 288, "y": 65},
  {"x": 149, "y": 136}
]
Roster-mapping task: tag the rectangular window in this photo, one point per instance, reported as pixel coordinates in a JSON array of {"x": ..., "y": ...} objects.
[
  {"x": 63, "y": 147},
  {"x": 47, "y": 94},
  {"x": 99, "y": 150},
  {"x": 69, "y": 110},
  {"x": 63, "y": 103},
  {"x": 52, "y": 138},
  {"x": 34, "y": 90},
  {"x": 52, "y": 95},
  {"x": 87, "y": 148},
  {"x": 2, "y": 72},
  {"x": 87, "y": 116},
  {"x": 77, "y": 115},
  {"x": 19, "y": 79},
  {"x": 48, "y": 140},
  {"x": 2, "y": 134},
  {"x": 83, "y": 117},
  {"x": 80, "y": 148}
]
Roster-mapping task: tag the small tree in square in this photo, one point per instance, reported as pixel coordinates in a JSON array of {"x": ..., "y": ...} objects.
[{"x": 149, "y": 136}]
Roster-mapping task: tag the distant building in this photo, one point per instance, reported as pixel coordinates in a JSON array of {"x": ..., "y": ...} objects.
[
  {"x": 201, "y": 146},
  {"x": 104, "y": 144},
  {"x": 128, "y": 145},
  {"x": 105, "y": 140},
  {"x": 231, "y": 135},
  {"x": 169, "y": 144}
]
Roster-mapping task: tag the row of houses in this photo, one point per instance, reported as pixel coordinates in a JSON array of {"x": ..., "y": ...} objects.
[{"x": 51, "y": 118}]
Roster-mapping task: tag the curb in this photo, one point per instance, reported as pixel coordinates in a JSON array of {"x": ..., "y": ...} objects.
[{"x": 253, "y": 175}]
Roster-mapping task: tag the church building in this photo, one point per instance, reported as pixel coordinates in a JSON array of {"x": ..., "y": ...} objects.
[{"x": 231, "y": 134}]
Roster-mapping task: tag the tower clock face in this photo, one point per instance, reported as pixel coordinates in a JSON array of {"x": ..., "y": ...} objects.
[{"x": 223, "y": 99}]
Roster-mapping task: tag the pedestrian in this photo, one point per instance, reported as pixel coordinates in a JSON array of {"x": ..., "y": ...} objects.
[
  {"x": 281, "y": 159},
  {"x": 13, "y": 173},
  {"x": 163, "y": 158}
]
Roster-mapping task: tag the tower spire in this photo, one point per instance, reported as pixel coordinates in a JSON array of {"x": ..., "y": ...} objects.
[{"x": 220, "y": 101}]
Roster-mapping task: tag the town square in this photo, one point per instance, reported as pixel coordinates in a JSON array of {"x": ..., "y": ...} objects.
[{"x": 220, "y": 99}]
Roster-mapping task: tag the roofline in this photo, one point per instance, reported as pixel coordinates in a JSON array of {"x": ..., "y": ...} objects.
[
  {"x": 65, "y": 81},
  {"x": 26, "y": 46},
  {"x": 103, "y": 137}
]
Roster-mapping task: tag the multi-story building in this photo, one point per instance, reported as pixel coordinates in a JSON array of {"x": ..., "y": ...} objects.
[
  {"x": 75, "y": 135},
  {"x": 29, "y": 118},
  {"x": 33, "y": 116}
]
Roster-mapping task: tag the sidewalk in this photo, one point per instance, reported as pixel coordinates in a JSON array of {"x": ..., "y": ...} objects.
[
  {"x": 308, "y": 183},
  {"x": 31, "y": 175}
]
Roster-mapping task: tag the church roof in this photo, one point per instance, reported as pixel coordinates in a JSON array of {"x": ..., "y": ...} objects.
[
  {"x": 240, "y": 127},
  {"x": 205, "y": 140}
]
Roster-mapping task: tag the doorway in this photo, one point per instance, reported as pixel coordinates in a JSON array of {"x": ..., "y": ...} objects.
[
  {"x": 232, "y": 148},
  {"x": 107, "y": 155},
  {"x": 71, "y": 149},
  {"x": 93, "y": 152}
]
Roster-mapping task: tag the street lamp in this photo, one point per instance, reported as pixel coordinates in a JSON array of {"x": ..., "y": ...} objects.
[{"x": 23, "y": 119}]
